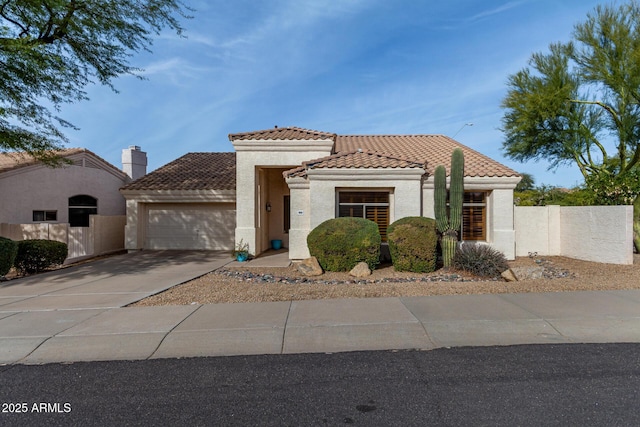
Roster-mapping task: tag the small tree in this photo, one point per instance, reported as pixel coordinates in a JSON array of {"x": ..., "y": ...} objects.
[
  {"x": 449, "y": 223},
  {"x": 572, "y": 102},
  {"x": 51, "y": 51}
]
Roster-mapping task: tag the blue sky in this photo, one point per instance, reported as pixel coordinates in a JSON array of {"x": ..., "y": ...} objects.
[{"x": 347, "y": 66}]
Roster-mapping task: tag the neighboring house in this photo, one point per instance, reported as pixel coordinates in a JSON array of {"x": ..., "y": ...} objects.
[
  {"x": 35, "y": 193},
  {"x": 283, "y": 182}
]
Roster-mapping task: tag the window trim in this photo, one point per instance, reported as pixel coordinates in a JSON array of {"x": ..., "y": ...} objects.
[
  {"x": 45, "y": 213},
  {"x": 483, "y": 213},
  {"x": 387, "y": 192}
]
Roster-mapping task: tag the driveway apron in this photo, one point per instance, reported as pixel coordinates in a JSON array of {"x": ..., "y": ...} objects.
[{"x": 48, "y": 314}]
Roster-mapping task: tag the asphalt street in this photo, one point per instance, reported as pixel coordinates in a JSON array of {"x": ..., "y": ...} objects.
[{"x": 569, "y": 384}]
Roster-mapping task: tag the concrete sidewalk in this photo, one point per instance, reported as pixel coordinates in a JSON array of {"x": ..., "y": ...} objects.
[{"x": 318, "y": 326}]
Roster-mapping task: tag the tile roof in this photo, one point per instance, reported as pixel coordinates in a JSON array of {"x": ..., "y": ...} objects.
[
  {"x": 358, "y": 159},
  {"x": 208, "y": 171},
  {"x": 193, "y": 171},
  {"x": 16, "y": 160},
  {"x": 433, "y": 150},
  {"x": 282, "y": 134}
]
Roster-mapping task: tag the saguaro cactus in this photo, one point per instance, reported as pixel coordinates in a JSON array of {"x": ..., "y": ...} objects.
[{"x": 449, "y": 224}]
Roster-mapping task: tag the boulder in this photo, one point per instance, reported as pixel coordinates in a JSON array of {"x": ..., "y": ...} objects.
[
  {"x": 523, "y": 273},
  {"x": 508, "y": 276},
  {"x": 360, "y": 270},
  {"x": 309, "y": 267}
]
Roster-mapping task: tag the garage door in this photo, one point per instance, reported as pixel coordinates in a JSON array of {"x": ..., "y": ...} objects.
[{"x": 208, "y": 226}]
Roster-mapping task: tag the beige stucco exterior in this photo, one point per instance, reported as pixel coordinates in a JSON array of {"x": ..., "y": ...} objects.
[
  {"x": 139, "y": 203},
  {"x": 500, "y": 220},
  {"x": 315, "y": 201},
  {"x": 254, "y": 160},
  {"x": 40, "y": 188},
  {"x": 591, "y": 233},
  {"x": 259, "y": 182}
]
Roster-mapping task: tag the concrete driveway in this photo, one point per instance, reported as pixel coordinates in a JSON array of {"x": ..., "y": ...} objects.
[{"x": 107, "y": 283}]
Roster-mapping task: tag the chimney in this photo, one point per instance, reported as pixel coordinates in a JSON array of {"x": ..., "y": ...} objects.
[{"x": 134, "y": 162}]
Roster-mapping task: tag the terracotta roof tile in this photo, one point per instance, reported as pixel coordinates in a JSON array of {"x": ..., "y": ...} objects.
[
  {"x": 193, "y": 171},
  {"x": 198, "y": 171},
  {"x": 432, "y": 150},
  {"x": 283, "y": 134},
  {"x": 358, "y": 159}
]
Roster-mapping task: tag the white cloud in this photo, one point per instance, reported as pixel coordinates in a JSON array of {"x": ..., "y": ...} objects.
[{"x": 495, "y": 11}]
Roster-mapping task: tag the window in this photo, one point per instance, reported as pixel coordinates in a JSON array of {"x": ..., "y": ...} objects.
[
  {"x": 474, "y": 217},
  {"x": 80, "y": 207},
  {"x": 40, "y": 216},
  {"x": 372, "y": 205}
]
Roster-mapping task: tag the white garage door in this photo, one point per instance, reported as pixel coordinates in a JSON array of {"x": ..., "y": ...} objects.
[{"x": 208, "y": 226}]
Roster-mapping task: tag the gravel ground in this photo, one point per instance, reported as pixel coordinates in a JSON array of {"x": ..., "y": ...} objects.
[{"x": 286, "y": 284}]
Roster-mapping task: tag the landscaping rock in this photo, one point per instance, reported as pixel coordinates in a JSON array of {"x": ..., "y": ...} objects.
[
  {"x": 508, "y": 276},
  {"x": 309, "y": 267},
  {"x": 527, "y": 273},
  {"x": 360, "y": 270}
]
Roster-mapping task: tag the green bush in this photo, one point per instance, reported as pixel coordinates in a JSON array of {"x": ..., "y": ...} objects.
[
  {"x": 8, "y": 252},
  {"x": 37, "y": 255},
  {"x": 481, "y": 260},
  {"x": 412, "y": 244},
  {"x": 341, "y": 243}
]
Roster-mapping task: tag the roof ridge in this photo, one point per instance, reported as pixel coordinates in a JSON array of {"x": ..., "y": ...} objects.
[
  {"x": 276, "y": 129},
  {"x": 23, "y": 159}
]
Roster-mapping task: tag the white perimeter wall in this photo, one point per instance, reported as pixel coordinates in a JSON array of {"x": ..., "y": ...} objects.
[{"x": 591, "y": 233}]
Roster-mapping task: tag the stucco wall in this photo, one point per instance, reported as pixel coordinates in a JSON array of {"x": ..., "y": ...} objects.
[
  {"x": 300, "y": 218},
  {"x": 250, "y": 157},
  {"x": 314, "y": 202},
  {"x": 41, "y": 188},
  {"x": 592, "y": 233},
  {"x": 499, "y": 210}
]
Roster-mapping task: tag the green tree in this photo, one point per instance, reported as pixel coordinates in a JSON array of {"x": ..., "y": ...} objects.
[
  {"x": 573, "y": 102},
  {"x": 50, "y": 50},
  {"x": 526, "y": 183}
]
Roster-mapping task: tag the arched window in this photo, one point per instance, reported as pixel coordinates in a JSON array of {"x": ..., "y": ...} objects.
[{"x": 80, "y": 207}]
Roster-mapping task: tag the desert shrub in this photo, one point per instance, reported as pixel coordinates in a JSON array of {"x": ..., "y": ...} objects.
[
  {"x": 341, "y": 243},
  {"x": 481, "y": 260},
  {"x": 8, "y": 251},
  {"x": 37, "y": 255},
  {"x": 412, "y": 244}
]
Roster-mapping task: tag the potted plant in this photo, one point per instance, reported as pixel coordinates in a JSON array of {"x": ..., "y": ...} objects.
[{"x": 241, "y": 252}]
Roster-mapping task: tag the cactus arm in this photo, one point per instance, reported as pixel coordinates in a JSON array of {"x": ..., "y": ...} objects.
[
  {"x": 440, "y": 199},
  {"x": 456, "y": 189}
]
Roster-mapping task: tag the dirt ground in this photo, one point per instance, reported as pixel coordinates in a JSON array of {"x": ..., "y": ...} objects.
[{"x": 286, "y": 284}]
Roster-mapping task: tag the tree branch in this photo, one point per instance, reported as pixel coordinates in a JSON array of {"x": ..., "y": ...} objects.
[
  {"x": 61, "y": 30},
  {"x": 609, "y": 109},
  {"x": 23, "y": 30},
  {"x": 49, "y": 26}
]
